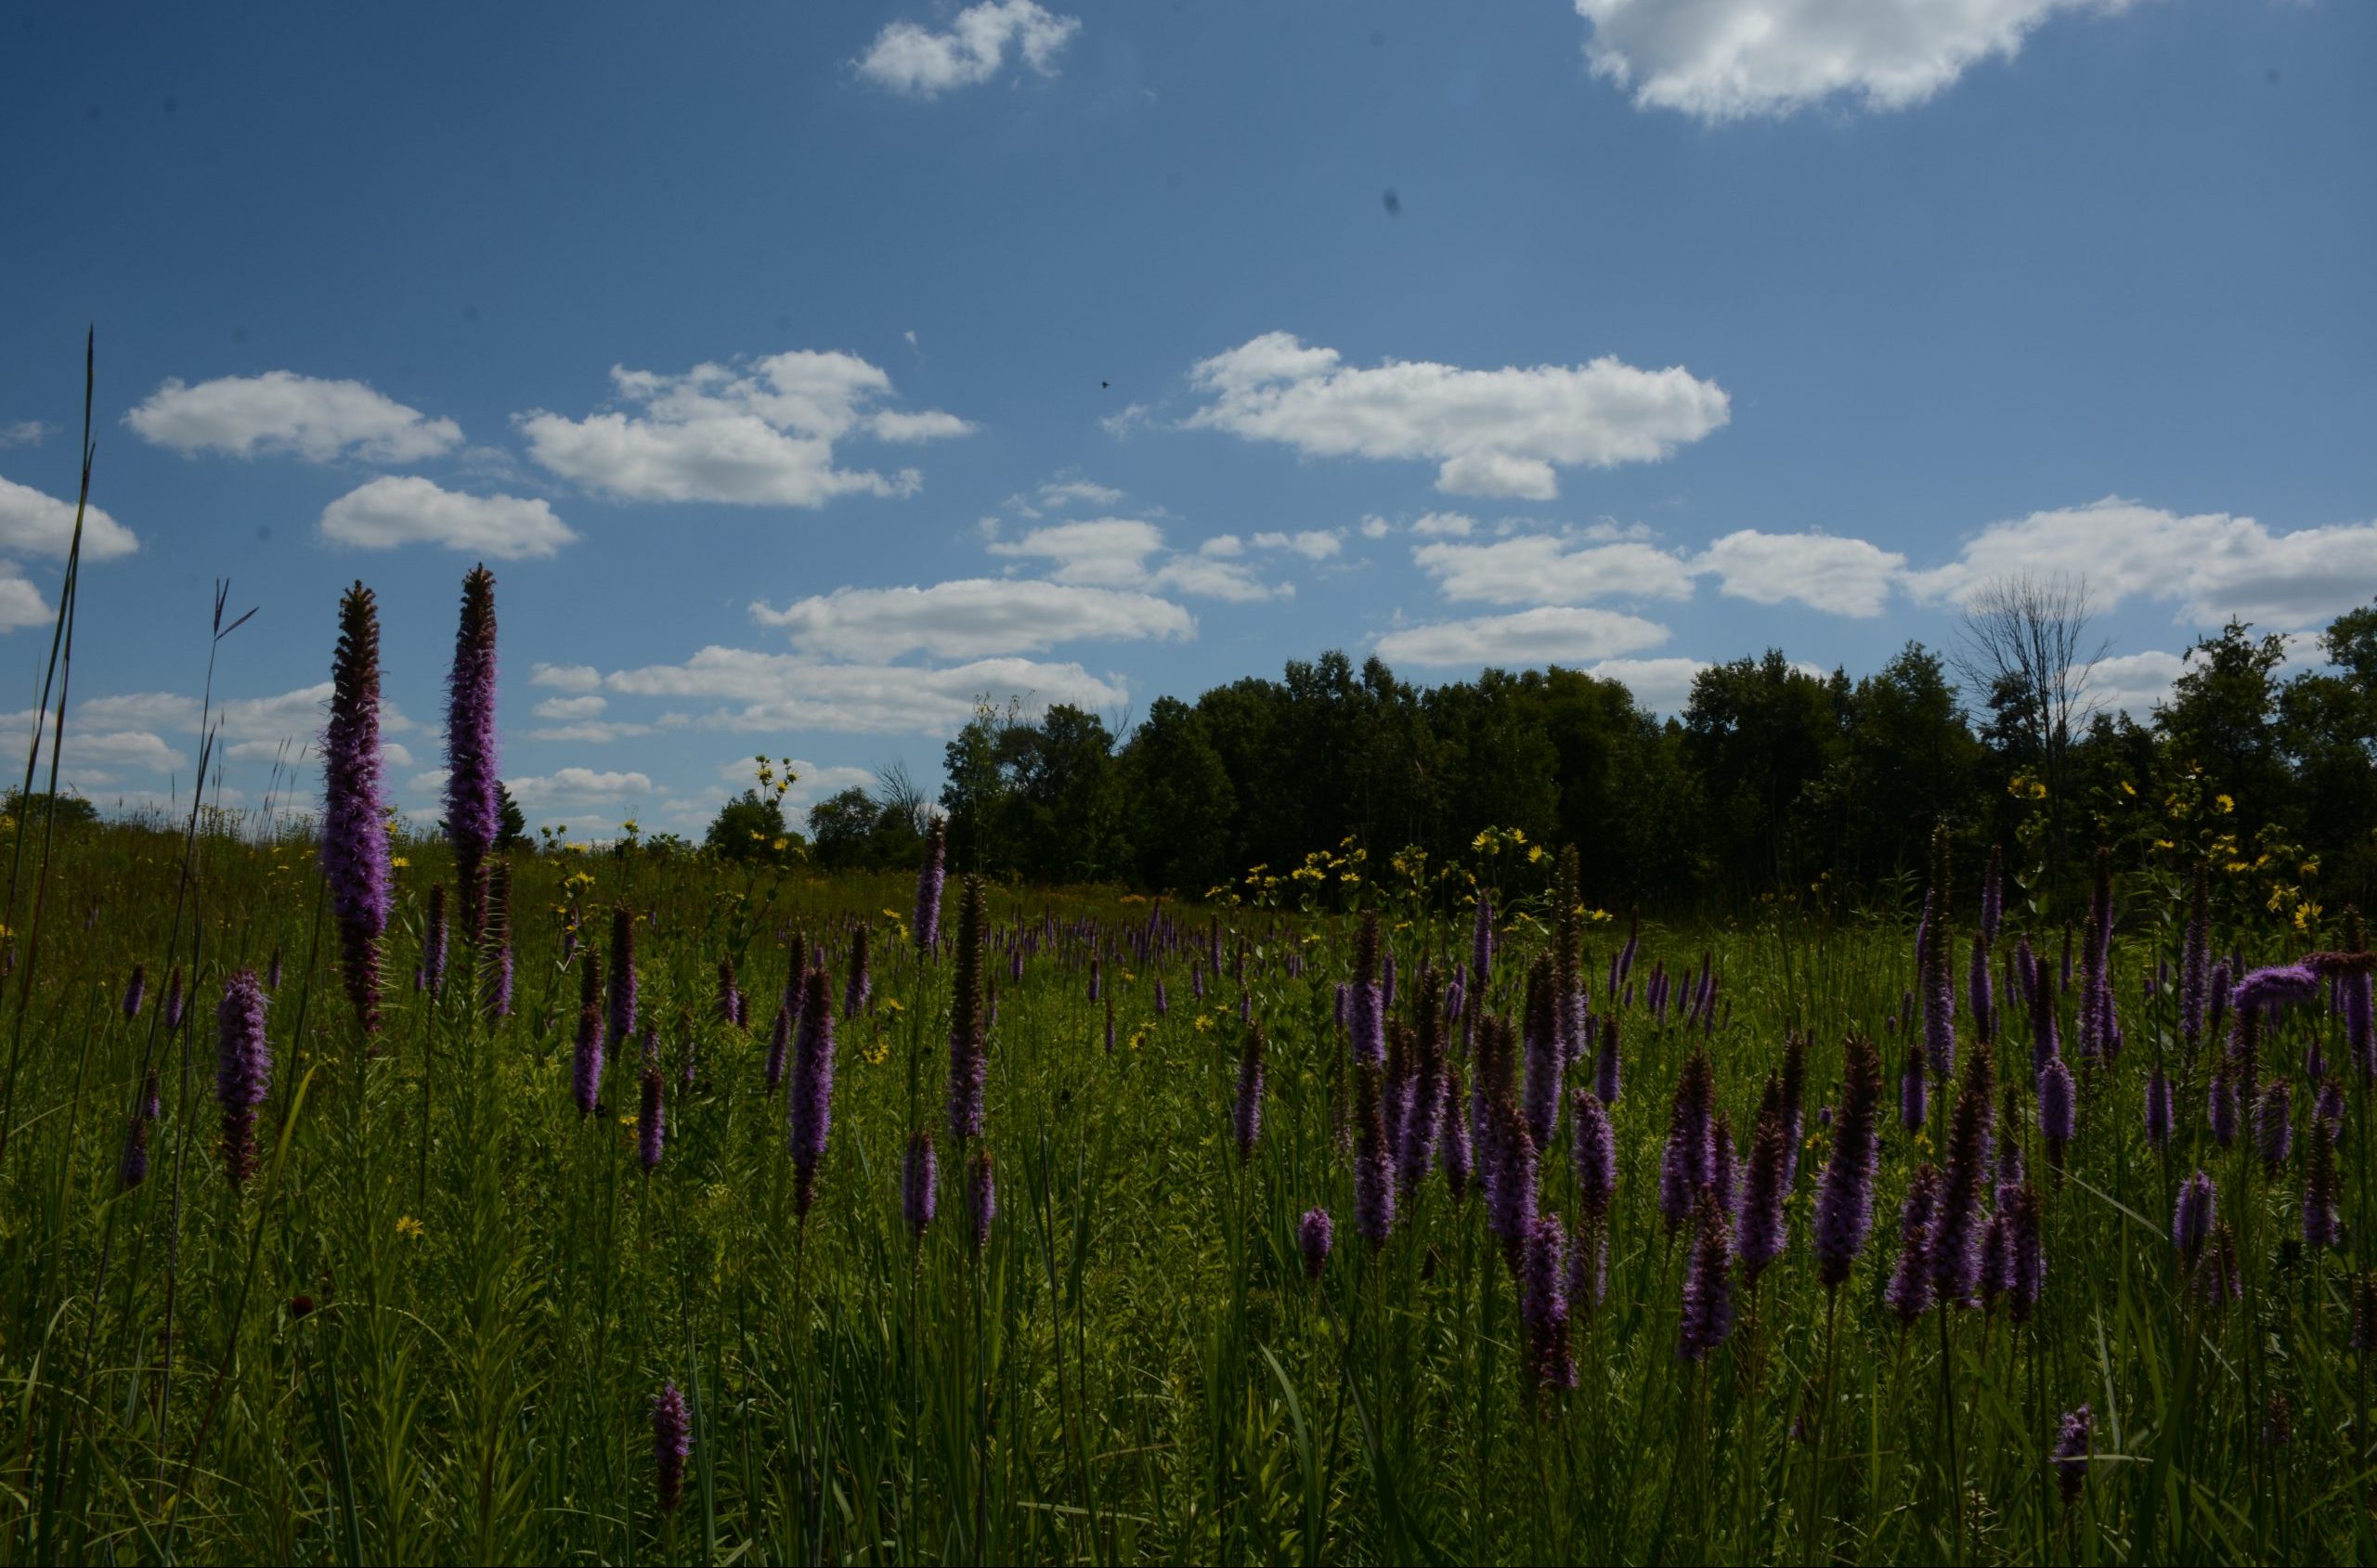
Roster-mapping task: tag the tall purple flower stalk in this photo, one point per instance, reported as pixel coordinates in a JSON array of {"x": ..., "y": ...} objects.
[
  {"x": 1543, "y": 1306},
  {"x": 2220, "y": 1109},
  {"x": 1706, "y": 1320},
  {"x": 2028, "y": 1247},
  {"x": 809, "y": 1112},
  {"x": 919, "y": 1182},
  {"x": 2095, "y": 1033},
  {"x": 1845, "y": 1201},
  {"x": 2059, "y": 1110},
  {"x": 1912, "y": 1098},
  {"x": 1955, "y": 1226},
  {"x": 1938, "y": 986},
  {"x": 1315, "y": 1233},
  {"x": 1688, "y": 1163},
  {"x": 1909, "y": 1291},
  {"x": 2158, "y": 1108},
  {"x": 969, "y": 1068},
  {"x": 354, "y": 833},
  {"x": 622, "y": 1015},
  {"x": 2274, "y": 1123},
  {"x": 672, "y": 1443},
  {"x": 242, "y": 1071},
  {"x": 2070, "y": 1455},
  {"x": 1607, "y": 1070},
  {"x": 1545, "y": 1058},
  {"x": 134, "y": 990},
  {"x": 473, "y": 759},
  {"x": 1453, "y": 1149},
  {"x": 1979, "y": 993},
  {"x": 929, "y": 876},
  {"x": 1758, "y": 1233},
  {"x": 982, "y": 1197},
  {"x": 1423, "y": 1111},
  {"x": 586, "y": 1064},
  {"x": 1246, "y": 1115},
  {"x": 1992, "y": 893},
  {"x": 652, "y": 1113},
  {"x": 780, "y": 1037},
  {"x": 1365, "y": 1004},
  {"x": 2322, "y": 1225}
]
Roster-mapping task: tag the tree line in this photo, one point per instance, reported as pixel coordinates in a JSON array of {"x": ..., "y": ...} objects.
[{"x": 1771, "y": 777}]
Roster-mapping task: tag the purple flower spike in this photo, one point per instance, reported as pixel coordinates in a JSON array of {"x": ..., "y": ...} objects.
[
  {"x": 858, "y": 991},
  {"x": 652, "y": 1114},
  {"x": 1543, "y": 1306},
  {"x": 1366, "y": 1006},
  {"x": 2322, "y": 1225},
  {"x": 1373, "y": 1175},
  {"x": 672, "y": 1443},
  {"x": 1913, "y": 1101},
  {"x": 1246, "y": 1116},
  {"x": 586, "y": 1064},
  {"x": 2070, "y": 1457},
  {"x": 1707, "y": 1314},
  {"x": 354, "y": 831},
  {"x": 919, "y": 1182},
  {"x": 1607, "y": 1079},
  {"x": 809, "y": 1112},
  {"x": 929, "y": 876},
  {"x": 622, "y": 1015},
  {"x": 135, "y": 990},
  {"x": 1596, "y": 1154},
  {"x": 2192, "y": 1217},
  {"x": 1955, "y": 1227},
  {"x": 2028, "y": 1250},
  {"x": 780, "y": 1037},
  {"x": 2274, "y": 1123},
  {"x": 2274, "y": 987},
  {"x": 2158, "y": 1109},
  {"x": 1759, "y": 1234},
  {"x": 1909, "y": 1291},
  {"x": 2220, "y": 1109},
  {"x": 242, "y": 1071},
  {"x": 1315, "y": 1233},
  {"x": 473, "y": 759},
  {"x": 968, "y": 1068},
  {"x": 2058, "y": 1107},
  {"x": 1845, "y": 1201}
]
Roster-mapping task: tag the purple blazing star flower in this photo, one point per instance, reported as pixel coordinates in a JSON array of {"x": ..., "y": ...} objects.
[
  {"x": 1845, "y": 1199},
  {"x": 1315, "y": 1233},
  {"x": 2070, "y": 1455},
  {"x": 2220, "y": 1111},
  {"x": 858, "y": 991},
  {"x": 929, "y": 876},
  {"x": 1909, "y": 1291},
  {"x": 1607, "y": 1071},
  {"x": 2322, "y": 1227},
  {"x": 1543, "y": 1305},
  {"x": 1758, "y": 1233},
  {"x": 586, "y": 1064},
  {"x": 473, "y": 760},
  {"x": 2274, "y": 986},
  {"x": 2058, "y": 1107},
  {"x": 1373, "y": 1173},
  {"x": 135, "y": 990},
  {"x": 968, "y": 1066},
  {"x": 1707, "y": 1319},
  {"x": 2158, "y": 1109},
  {"x": 2192, "y": 1216},
  {"x": 1913, "y": 1106},
  {"x": 1366, "y": 1009},
  {"x": 652, "y": 1114},
  {"x": 1246, "y": 1116},
  {"x": 982, "y": 1197},
  {"x": 622, "y": 1014},
  {"x": 354, "y": 833},
  {"x": 2024, "y": 1240},
  {"x": 1955, "y": 1226},
  {"x": 672, "y": 1443},
  {"x": 810, "y": 1108},
  {"x": 1595, "y": 1147},
  {"x": 1453, "y": 1151},
  {"x": 2274, "y": 1123},
  {"x": 919, "y": 1182},
  {"x": 780, "y": 1037},
  {"x": 242, "y": 1071}
]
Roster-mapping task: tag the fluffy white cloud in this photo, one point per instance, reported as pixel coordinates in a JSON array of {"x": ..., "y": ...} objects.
[
  {"x": 972, "y": 618},
  {"x": 1553, "y": 634},
  {"x": 566, "y": 676},
  {"x": 1442, "y": 525},
  {"x": 1126, "y": 552},
  {"x": 284, "y": 412},
  {"x": 577, "y": 787},
  {"x": 34, "y": 524},
  {"x": 1724, "y": 60},
  {"x": 1542, "y": 569},
  {"x": 2133, "y": 683},
  {"x": 21, "y": 602},
  {"x": 1375, "y": 527},
  {"x": 96, "y": 754},
  {"x": 1313, "y": 544},
  {"x": 1493, "y": 433},
  {"x": 293, "y": 716},
  {"x": 772, "y": 693},
  {"x": 24, "y": 432},
  {"x": 1840, "y": 575},
  {"x": 1661, "y": 685},
  {"x": 1065, "y": 492},
  {"x": 2211, "y": 564},
  {"x": 389, "y": 511},
  {"x": 756, "y": 434},
  {"x": 572, "y": 707},
  {"x": 910, "y": 58}
]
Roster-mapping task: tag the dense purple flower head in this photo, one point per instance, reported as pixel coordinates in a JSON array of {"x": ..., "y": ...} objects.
[
  {"x": 1845, "y": 1199},
  {"x": 586, "y": 1062},
  {"x": 1758, "y": 1233},
  {"x": 2329, "y": 1110},
  {"x": 1510, "y": 1190},
  {"x": 1595, "y": 1147},
  {"x": 2274, "y": 1123},
  {"x": 1955, "y": 1225},
  {"x": 2218, "y": 1283},
  {"x": 1423, "y": 1103},
  {"x": 1246, "y": 1114},
  {"x": 473, "y": 760},
  {"x": 1373, "y": 1169},
  {"x": 810, "y": 1107},
  {"x": 1935, "y": 964},
  {"x": 1314, "y": 1234},
  {"x": 1909, "y": 1291},
  {"x": 1688, "y": 1163},
  {"x": 1707, "y": 1319},
  {"x": 1546, "y": 1061},
  {"x": 1996, "y": 1258},
  {"x": 968, "y": 1048},
  {"x": 354, "y": 829},
  {"x": 919, "y": 1181},
  {"x": 1543, "y": 1304},
  {"x": 2273, "y": 986},
  {"x": 652, "y": 1113},
  {"x": 982, "y": 1197},
  {"x": 858, "y": 990},
  {"x": 2192, "y": 1216},
  {"x": 929, "y": 876},
  {"x": 174, "y": 1001},
  {"x": 1607, "y": 1070},
  {"x": 2070, "y": 1455},
  {"x": 242, "y": 1071},
  {"x": 132, "y": 1169},
  {"x": 2158, "y": 1108},
  {"x": 780, "y": 1037},
  {"x": 2027, "y": 1245},
  {"x": 2220, "y": 1109},
  {"x": 672, "y": 1443},
  {"x": 1913, "y": 1093},
  {"x": 134, "y": 990},
  {"x": 2058, "y": 1105},
  {"x": 1366, "y": 1010},
  {"x": 622, "y": 1013}
]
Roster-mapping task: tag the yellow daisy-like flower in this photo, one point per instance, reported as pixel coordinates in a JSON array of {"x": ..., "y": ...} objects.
[
  {"x": 2227, "y": 803},
  {"x": 409, "y": 1227}
]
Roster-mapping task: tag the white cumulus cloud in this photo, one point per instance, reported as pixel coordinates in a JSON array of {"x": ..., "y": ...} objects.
[
  {"x": 910, "y": 58},
  {"x": 1129, "y": 553},
  {"x": 972, "y": 618},
  {"x": 772, "y": 693},
  {"x": 2211, "y": 564},
  {"x": 1493, "y": 433},
  {"x": 1661, "y": 685},
  {"x": 281, "y": 412},
  {"x": 1543, "y": 569},
  {"x": 1726, "y": 59},
  {"x": 1551, "y": 634},
  {"x": 1843, "y": 576},
  {"x": 566, "y": 676},
  {"x": 34, "y": 524},
  {"x": 389, "y": 511},
  {"x": 760, "y": 434}
]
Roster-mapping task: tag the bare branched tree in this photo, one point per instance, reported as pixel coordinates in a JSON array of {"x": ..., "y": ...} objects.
[
  {"x": 2026, "y": 650},
  {"x": 895, "y": 788}
]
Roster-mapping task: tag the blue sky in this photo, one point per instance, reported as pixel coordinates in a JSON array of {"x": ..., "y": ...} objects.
[{"x": 805, "y": 370}]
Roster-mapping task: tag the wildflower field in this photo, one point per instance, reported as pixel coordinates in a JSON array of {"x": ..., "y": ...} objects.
[{"x": 382, "y": 1198}]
